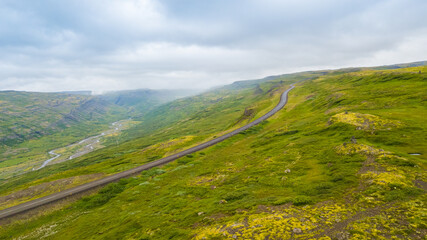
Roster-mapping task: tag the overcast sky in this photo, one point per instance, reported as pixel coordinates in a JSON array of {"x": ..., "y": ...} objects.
[{"x": 51, "y": 45}]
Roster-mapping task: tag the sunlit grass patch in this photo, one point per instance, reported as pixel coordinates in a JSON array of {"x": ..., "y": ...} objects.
[
  {"x": 207, "y": 180},
  {"x": 280, "y": 223},
  {"x": 167, "y": 146},
  {"x": 366, "y": 121},
  {"x": 353, "y": 148}
]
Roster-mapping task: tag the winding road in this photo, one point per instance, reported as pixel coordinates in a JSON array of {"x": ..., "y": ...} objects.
[{"x": 8, "y": 212}]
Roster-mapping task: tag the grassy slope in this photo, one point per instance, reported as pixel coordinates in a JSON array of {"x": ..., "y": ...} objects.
[
  {"x": 257, "y": 183},
  {"x": 222, "y": 110}
]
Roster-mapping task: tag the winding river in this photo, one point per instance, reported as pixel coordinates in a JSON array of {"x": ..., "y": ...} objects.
[{"x": 82, "y": 147}]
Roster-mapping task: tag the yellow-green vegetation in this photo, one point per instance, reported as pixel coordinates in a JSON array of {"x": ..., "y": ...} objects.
[
  {"x": 368, "y": 218},
  {"x": 353, "y": 148},
  {"x": 297, "y": 175},
  {"x": 366, "y": 121},
  {"x": 280, "y": 223},
  {"x": 407, "y": 220},
  {"x": 166, "y": 148},
  {"x": 44, "y": 189}
]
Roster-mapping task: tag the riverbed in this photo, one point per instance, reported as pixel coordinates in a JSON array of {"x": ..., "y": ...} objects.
[{"x": 84, "y": 146}]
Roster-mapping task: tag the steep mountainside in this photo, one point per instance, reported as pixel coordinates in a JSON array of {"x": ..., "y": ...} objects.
[
  {"x": 26, "y": 115},
  {"x": 345, "y": 159}
]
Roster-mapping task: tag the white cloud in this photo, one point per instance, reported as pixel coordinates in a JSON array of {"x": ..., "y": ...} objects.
[{"x": 124, "y": 44}]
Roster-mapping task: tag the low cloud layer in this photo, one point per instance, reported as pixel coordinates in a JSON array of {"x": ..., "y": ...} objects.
[{"x": 126, "y": 44}]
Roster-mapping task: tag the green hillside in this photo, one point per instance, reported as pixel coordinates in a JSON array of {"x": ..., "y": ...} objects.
[
  {"x": 140, "y": 101},
  {"x": 167, "y": 124},
  {"x": 26, "y": 115},
  {"x": 345, "y": 159},
  {"x": 32, "y": 124}
]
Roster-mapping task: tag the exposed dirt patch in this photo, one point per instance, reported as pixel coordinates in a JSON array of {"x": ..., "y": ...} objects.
[
  {"x": 309, "y": 96},
  {"x": 262, "y": 209},
  {"x": 371, "y": 166},
  {"x": 421, "y": 184},
  {"x": 323, "y": 203},
  {"x": 218, "y": 216},
  {"x": 338, "y": 230},
  {"x": 248, "y": 114},
  {"x": 214, "y": 217},
  {"x": 279, "y": 207}
]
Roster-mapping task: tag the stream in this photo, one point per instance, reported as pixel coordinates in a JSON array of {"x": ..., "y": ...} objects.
[
  {"x": 49, "y": 160},
  {"x": 84, "y": 146}
]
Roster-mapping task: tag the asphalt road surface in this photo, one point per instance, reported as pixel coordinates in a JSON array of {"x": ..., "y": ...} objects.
[{"x": 8, "y": 212}]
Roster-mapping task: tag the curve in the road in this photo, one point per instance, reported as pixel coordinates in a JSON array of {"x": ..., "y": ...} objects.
[{"x": 8, "y": 212}]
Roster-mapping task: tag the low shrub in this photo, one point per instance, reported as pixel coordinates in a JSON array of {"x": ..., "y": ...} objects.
[
  {"x": 104, "y": 195},
  {"x": 235, "y": 195},
  {"x": 301, "y": 200}
]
